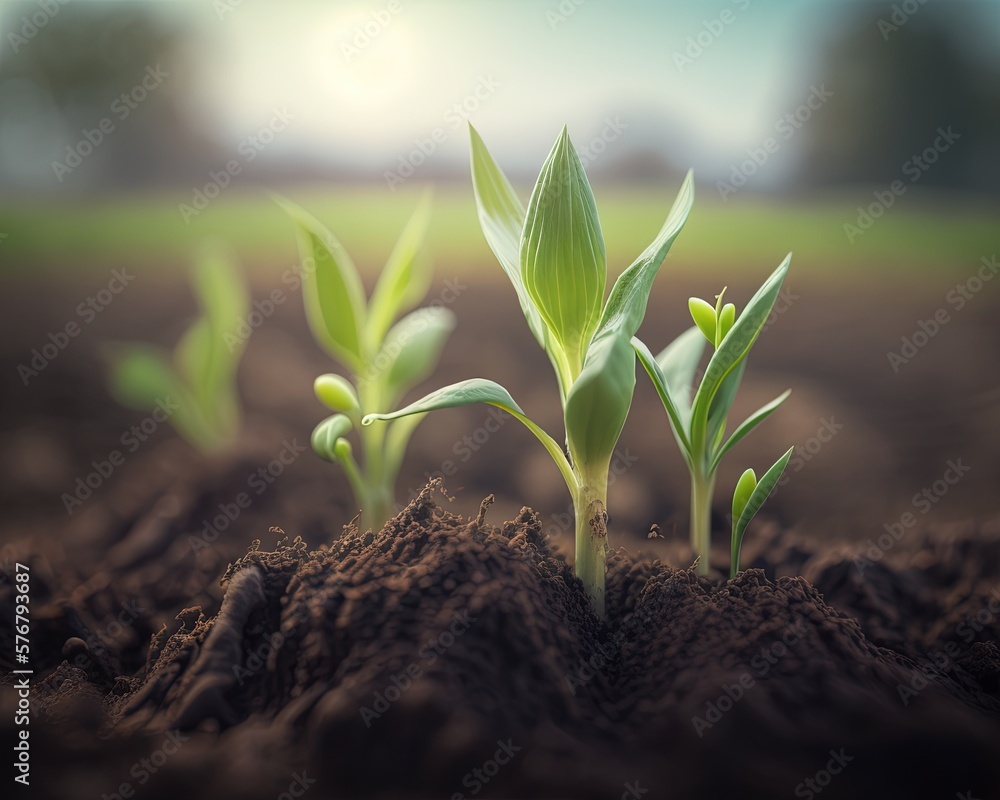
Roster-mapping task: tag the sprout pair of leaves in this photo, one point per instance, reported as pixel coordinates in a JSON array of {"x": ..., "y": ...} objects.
[
  {"x": 699, "y": 422},
  {"x": 553, "y": 253},
  {"x": 384, "y": 358},
  {"x": 196, "y": 384}
]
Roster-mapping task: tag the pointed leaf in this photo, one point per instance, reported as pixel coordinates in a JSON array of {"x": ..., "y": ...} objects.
[
  {"x": 679, "y": 362},
  {"x": 413, "y": 347},
  {"x": 501, "y": 216},
  {"x": 331, "y": 287},
  {"x": 480, "y": 390},
  {"x": 563, "y": 263},
  {"x": 760, "y": 493},
  {"x": 748, "y": 425},
  {"x": 663, "y": 389},
  {"x": 734, "y": 348},
  {"x": 626, "y": 304},
  {"x": 599, "y": 401},
  {"x": 405, "y": 279},
  {"x": 741, "y": 495},
  {"x": 704, "y": 317}
]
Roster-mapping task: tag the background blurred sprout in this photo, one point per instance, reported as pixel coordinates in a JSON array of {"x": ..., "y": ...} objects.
[
  {"x": 699, "y": 424},
  {"x": 384, "y": 358},
  {"x": 553, "y": 254},
  {"x": 198, "y": 380}
]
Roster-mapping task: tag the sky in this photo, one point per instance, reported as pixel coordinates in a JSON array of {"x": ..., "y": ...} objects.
[{"x": 379, "y": 85}]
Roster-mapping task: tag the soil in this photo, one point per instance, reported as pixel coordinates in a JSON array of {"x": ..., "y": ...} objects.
[{"x": 397, "y": 663}]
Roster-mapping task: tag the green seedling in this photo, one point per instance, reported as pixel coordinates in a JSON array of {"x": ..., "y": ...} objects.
[
  {"x": 196, "y": 384},
  {"x": 553, "y": 253},
  {"x": 699, "y": 423},
  {"x": 748, "y": 497},
  {"x": 382, "y": 356}
]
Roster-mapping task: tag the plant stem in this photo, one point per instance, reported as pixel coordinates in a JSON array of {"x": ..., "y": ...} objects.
[
  {"x": 590, "y": 510},
  {"x": 702, "y": 487}
]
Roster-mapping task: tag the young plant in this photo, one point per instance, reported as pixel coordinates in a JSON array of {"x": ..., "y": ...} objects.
[
  {"x": 748, "y": 497},
  {"x": 699, "y": 424},
  {"x": 553, "y": 254},
  {"x": 196, "y": 385},
  {"x": 382, "y": 360}
]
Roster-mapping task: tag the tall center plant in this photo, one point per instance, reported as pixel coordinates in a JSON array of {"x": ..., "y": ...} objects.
[{"x": 553, "y": 253}]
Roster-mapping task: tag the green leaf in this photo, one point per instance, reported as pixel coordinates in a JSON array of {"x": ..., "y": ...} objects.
[
  {"x": 480, "y": 390},
  {"x": 744, "y": 488},
  {"x": 626, "y": 304},
  {"x": 336, "y": 393},
  {"x": 734, "y": 348},
  {"x": 748, "y": 425},
  {"x": 599, "y": 400},
  {"x": 209, "y": 353},
  {"x": 501, "y": 216},
  {"x": 704, "y": 317},
  {"x": 405, "y": 279},
  {"x": 413, "y": 347},
  {"x": 141, "y": 378},
  {"x": 663, "y": 389},
  {"x": 721, "y": 404},
  {"x": 679, "y": 361},
  {"x": 760, "y": 493},
  {"x": 726, "y": 320},
  {"x": 563, "y": 263},
  {"x": 331, "y": 287},
  {"x": 326, "y": 435}
]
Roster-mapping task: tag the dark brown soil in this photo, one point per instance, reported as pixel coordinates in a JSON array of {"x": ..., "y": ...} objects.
[
  {"x": 269, "y": 673},
  {"x": 399, "y": 663}
]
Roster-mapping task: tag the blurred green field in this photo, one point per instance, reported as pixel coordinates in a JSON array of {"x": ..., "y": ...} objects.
[{"x": 936, "y": 234}]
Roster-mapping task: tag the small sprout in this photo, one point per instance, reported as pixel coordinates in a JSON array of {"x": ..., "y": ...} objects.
[
  {"x": 199, "y": 378},
  {"x": 747, "y": 500},
  {"x": 384, "y": 350},
  {"x": 326, "y": 435},
  {"x": 336, "y": 393},
  {"x": 699, "y": 422},
  {"x": 553, "y": 253},
  {"x": 704, "y": 317}
]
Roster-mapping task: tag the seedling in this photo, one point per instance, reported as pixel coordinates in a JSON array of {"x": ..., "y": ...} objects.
[
  {"x": 383, "y": 360},
  {"x": 699, "y": 424},
  {"x": 554, "y": 256},
  {"x": 199, "y": 379}
]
